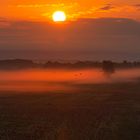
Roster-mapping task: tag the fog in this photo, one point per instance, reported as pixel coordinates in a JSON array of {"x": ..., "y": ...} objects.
[{"x": 58, "y": 80}]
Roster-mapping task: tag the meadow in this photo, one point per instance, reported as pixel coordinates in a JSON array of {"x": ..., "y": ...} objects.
[{"x": 85, "y": 110}]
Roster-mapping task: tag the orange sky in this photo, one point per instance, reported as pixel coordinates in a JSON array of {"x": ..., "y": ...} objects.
[{"x": 42, "y": 9}]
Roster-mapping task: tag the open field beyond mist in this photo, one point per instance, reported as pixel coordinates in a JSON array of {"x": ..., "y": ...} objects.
[{"x": 107, "y": 112}]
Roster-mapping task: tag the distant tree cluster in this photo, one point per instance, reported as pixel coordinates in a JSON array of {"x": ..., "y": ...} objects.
[{"x": 106, "y": 65}]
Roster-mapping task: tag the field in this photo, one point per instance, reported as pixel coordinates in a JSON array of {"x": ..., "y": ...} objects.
[{"x": 93, "y": 112}]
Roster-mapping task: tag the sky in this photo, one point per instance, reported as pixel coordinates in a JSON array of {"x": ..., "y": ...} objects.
[
  {"x": 42, "y": 9},
  {"x": 94, "y": 30}
]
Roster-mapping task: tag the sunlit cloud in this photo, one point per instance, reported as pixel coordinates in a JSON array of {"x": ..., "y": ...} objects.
[
  {"x": 47, "y": 9},
  {"x": 59, "y": 5},
  {"x": 74, "y": 10}
]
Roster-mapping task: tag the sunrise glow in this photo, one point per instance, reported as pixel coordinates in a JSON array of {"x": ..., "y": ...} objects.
[{"x": 59, "y": 16}]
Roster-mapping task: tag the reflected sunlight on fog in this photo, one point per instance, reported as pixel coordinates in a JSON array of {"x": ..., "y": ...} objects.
[{"x": 61, "y": 79}]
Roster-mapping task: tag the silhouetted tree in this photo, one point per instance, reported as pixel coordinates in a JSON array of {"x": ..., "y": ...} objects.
[{"x": 108, "y": 67}]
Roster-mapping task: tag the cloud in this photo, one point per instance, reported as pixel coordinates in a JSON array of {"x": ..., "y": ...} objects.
[
  {"x": 108, "y": 10},
  {"x": 118, "y": 8},
  {"x": 4, "y": 23},
  {"x": 137, "y": 6},
  {"x": 43, "y": 11},
  {"x": 107, "y": 7},
  {"x": 85, "y": 38},
  {"x": 46, "y": 9},
  {"x": 52, "y": 5}
]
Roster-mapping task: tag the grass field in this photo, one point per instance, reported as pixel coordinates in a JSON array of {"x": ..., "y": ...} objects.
[{"x": 93, "y": 112}]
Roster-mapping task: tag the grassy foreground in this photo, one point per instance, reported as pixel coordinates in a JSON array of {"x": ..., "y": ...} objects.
[{"x": 94, "y": 112}]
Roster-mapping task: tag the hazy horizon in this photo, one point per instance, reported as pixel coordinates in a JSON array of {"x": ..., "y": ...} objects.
[{"x": 85, "y": 39}]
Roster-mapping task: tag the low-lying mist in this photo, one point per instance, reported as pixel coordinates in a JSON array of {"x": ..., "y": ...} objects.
[{"x": 62, "y": 79}]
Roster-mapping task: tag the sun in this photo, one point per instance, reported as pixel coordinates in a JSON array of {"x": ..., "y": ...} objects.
[{"x": 59, "y": 16}]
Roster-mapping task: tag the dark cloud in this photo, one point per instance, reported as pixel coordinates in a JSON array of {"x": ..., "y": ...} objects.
[
  {"x": 4, "y": 22},
  {"x": 137, "y": 6},
  {"x": 107, "y": 7},
  {"x": 2, "y": 19},
  {"x": 114, "y": 38}
]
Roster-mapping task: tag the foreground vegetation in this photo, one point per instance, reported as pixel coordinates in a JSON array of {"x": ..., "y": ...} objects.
[{"x": 92, "y": 112}]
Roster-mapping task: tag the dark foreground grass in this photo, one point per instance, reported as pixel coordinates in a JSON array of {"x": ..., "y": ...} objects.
[{"x": 94, "y": 112}]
